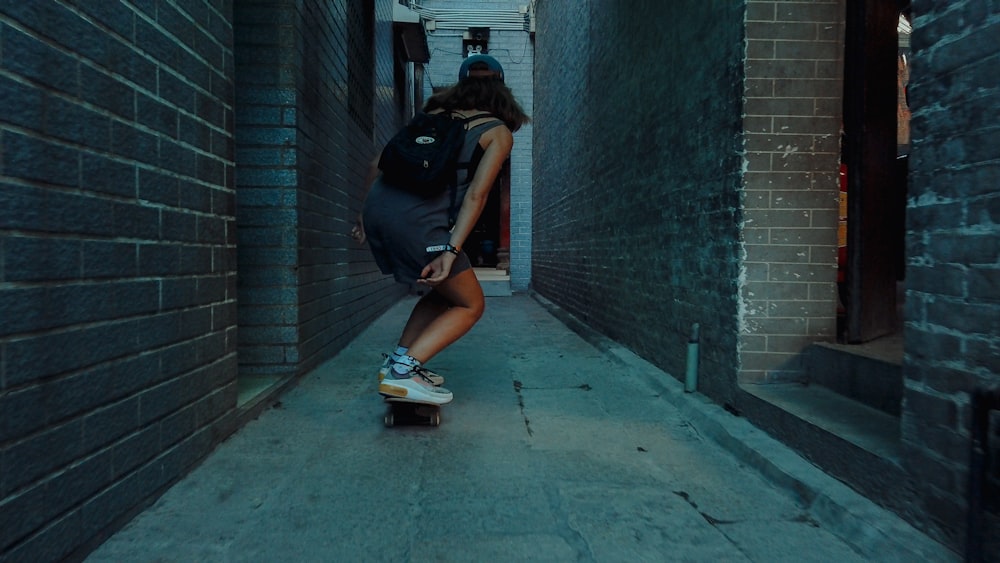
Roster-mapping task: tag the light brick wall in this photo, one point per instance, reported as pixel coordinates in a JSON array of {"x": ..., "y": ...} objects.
[
  {"x": 515, "y": 51},
  {"x": 952, "y": 330},
  {"x": 117, "y": 260},
  {"x": 792, "y": 125}
]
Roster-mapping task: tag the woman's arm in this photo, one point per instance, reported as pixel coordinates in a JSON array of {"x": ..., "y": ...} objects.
[{"x": 499, "y": 143}]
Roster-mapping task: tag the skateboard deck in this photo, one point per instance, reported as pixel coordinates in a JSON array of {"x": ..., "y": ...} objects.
[{"x": 401, "y": 412}]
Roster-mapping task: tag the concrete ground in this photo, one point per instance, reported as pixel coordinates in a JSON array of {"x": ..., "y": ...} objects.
[{"x": 556, "y": 448}]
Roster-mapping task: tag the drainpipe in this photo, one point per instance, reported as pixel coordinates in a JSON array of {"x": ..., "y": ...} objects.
[{"x": 691, "y": 377}]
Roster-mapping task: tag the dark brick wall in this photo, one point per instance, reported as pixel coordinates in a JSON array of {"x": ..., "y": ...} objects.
[
  {"x": 341, "y": 290},
  {"x": 306, "y": 106},
  {"x": 117, "y": 260},
  {"x": 953, "y": 233},
  {"x": 637, "y": 174}
]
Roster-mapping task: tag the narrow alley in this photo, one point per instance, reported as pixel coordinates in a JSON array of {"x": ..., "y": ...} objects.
[
  {"x": 793, "y": 202},
  {"x": 556, "y": 448}
]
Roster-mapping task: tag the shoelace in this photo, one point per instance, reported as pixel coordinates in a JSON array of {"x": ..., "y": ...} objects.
[{"x": 423, "y": 374}]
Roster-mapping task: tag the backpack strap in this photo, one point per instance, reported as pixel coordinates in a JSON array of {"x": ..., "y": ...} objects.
[
  {"x": 464, "y": 118},
  {"x": 463, "y": 166},
  {"x": 473, "y": 162},
  {"x": 472, "y": 118}
]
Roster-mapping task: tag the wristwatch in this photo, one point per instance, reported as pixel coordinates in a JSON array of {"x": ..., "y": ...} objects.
[{"x": 444, "y": 248}]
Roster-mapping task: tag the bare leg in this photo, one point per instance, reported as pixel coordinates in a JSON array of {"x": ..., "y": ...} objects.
[
  {"x": 427, "y": 309},
  {"x": 465, "y": 297}
]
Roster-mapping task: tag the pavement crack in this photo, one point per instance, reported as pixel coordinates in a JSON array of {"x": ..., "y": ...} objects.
[
  {"x": 691, "y": 428},
  {"x": 717, "y": 525},
  {"x": 687, "y": 498},
  {"x": 520, "y": 403},
  {"x": 805, "y": 518},
  {"x": 715, "y": 521},
  {"x": 708, "y": 517},
  {"x": 583, "y": 386}
]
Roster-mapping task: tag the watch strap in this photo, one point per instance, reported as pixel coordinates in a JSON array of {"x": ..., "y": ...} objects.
[{"x": 444, "y": 248}]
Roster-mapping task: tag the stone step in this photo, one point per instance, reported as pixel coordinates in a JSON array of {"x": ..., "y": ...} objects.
[
  {"x": 855, "y": 443},
  {"x": 870, "y": 373},
  {"x": 495, "y": 283},
  {"x": 846, "y": 418}
]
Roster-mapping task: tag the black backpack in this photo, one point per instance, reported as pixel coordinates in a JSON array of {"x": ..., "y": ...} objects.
[{"x": 423, "y": 156}]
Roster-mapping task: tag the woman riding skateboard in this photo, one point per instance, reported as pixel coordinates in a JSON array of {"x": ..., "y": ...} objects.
[{"x": 412, "y": 238}]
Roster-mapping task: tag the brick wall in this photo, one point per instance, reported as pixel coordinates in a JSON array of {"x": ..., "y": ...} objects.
[
  {"x": 340, "y": 289},
  {"x": 306, "y": 103},
  {"x": 637, "y": 174},
  {"x": 266, "y": 155},
  {"x": 515, "y": 51},
  {"x": 952, "y": 330},
  {"x": 792, "y": 120},
  {"x": 117, "y": 260}
]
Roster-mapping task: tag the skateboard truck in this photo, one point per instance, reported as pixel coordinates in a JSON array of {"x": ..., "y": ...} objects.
[{"x": 401, "y": 411}]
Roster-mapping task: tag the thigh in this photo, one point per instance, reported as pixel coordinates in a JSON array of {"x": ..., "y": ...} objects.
[
  {"x": 462, "y": 290},
  {"x": 434, "y": 300}
]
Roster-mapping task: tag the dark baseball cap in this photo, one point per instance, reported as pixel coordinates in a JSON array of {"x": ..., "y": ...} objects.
[{"x": 480, "y": 63}]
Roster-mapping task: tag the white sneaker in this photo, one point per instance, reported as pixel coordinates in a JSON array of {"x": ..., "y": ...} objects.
[
  {"x": 414, "y": 386},
  {"x": 435, "y": 378},
  {"x": 384, "y": 370}
]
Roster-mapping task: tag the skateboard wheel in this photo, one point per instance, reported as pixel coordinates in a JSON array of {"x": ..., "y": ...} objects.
[
  {"x": 436, "y": 419},
  {"x": 389, "y": 420}
]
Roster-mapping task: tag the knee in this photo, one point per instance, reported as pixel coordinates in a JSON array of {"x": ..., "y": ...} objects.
[
  {"x": 474, "y": 309},
  {"x": 478, "y": 309}
]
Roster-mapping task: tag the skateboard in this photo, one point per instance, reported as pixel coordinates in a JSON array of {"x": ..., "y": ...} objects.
[{"x": 402, "y": 411}]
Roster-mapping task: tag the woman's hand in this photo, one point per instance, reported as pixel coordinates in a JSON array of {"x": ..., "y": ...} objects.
[
  {"x": 358, "y": 231},
  {"x": 437, "y": 271}
]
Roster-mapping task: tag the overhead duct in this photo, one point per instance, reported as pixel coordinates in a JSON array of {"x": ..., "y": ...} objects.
[{"x": 496, "y": 20}]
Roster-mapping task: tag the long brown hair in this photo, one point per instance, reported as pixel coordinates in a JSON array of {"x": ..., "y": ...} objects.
[{"x": 485, "y": 93}]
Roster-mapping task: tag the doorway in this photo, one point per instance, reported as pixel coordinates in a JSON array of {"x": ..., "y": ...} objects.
[
  {"x": 488, "y": 245},
  {"x": 874, "y": 170}
]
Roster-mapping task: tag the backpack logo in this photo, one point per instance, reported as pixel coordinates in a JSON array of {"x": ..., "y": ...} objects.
[{"x": 422, "y": 140}]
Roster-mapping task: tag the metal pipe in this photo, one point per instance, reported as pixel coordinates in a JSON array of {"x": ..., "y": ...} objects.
[{"x": 691, "y": 376}]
